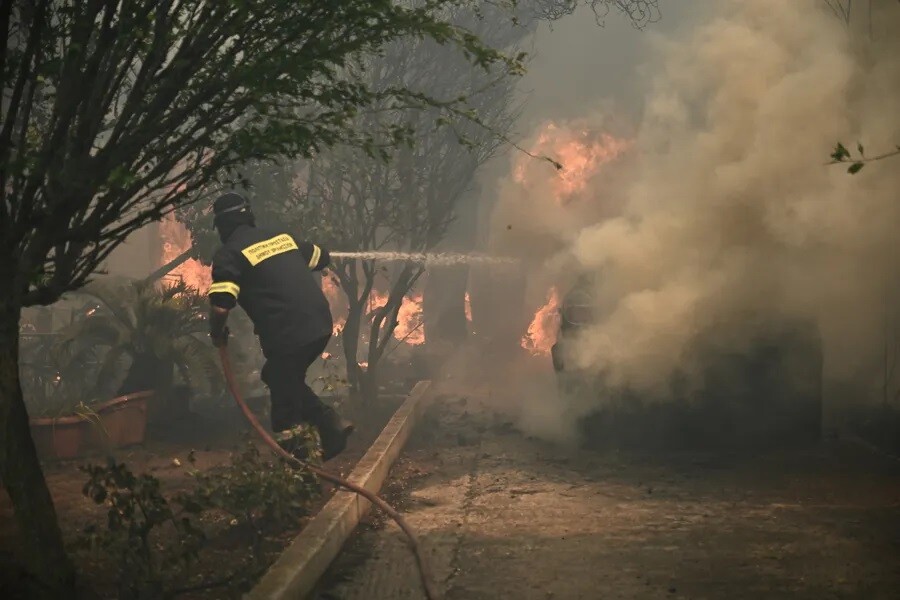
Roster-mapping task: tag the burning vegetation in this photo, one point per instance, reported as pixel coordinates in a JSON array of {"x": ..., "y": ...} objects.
[
  {"x": 176, "y": 239},
  {"x": 586, "y": 155},
  {"x": 581, "y": 151},
  {"x": 542, "y": 331}
]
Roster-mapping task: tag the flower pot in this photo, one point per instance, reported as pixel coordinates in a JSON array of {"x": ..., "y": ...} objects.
[
  {"x": 122, "y": 421},
  {"x": 116, "y": 423},
  {"x": 59, "y": 438}
]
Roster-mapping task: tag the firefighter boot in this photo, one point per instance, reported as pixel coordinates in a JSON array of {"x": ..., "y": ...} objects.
[{"x": 333, "y": 431}]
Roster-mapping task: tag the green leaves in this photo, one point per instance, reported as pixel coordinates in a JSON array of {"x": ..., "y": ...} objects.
[
  {"x": 136, "y": 108},
  {"x": 841, "y": 154},
  {"x": 120, "y": 177},
  {"x": 136, "y": 512},
  {"x": 154, "y": 541},
  {"x": 255, "y": 493}
]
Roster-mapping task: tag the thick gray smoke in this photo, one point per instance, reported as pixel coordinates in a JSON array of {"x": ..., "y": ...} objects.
[{"x": 726, "y": 207}]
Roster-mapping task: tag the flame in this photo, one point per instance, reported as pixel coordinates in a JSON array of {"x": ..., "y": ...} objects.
[
  {"x": 409, "y": 321},
  {"x": 542, "y": 331},
  {"x": 175, "y": 240},
  {"x": 409, "y": 317},
  {"x": 336, "y": 302},
  {"x": 468, "y": 308},
  {"x": 581, "y": 152},
  {"x": 377, "y": 300}
]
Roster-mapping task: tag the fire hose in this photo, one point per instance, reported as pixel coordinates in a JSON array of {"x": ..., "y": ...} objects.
[{"x": 421, "y": 562}]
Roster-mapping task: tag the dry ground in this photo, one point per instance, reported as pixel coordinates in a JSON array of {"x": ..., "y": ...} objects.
[{"x": 503, "y": 516}]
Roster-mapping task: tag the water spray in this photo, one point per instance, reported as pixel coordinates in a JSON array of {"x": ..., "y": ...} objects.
[{"x": 429, "y": 258}]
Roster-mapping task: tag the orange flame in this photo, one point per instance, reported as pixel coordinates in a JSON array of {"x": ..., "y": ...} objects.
[
  {"x": 409, "y": 321},
  {"x": 542, "y": 331},
  {"x": 409, "y": 318},
  {"x": 175, "y": 240},
  {"x": 581, "y": 152},
  {"x": 336, "y": 303}
]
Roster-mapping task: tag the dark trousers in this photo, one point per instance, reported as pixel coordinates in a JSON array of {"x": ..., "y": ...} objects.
[{"x": 293, "y": 401}]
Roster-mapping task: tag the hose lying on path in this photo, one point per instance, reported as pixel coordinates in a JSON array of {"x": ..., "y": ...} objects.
[{"x": 424, "y": 572}]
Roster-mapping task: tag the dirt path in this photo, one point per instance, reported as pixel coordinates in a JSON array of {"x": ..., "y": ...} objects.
[{"x": 507, "y": 517}]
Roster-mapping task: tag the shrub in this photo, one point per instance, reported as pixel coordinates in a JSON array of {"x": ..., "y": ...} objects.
[{"x": 153, "y": 542}]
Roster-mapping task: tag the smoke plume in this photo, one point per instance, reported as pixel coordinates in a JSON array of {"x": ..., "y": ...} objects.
[{"x": 725, "y": 205}]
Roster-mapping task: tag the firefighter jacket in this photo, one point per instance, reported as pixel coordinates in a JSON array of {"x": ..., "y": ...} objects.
[{"x": 270, "y": 275}]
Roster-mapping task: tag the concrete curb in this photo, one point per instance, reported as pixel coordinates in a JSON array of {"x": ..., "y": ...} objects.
[{"x": 295, "y": 574}]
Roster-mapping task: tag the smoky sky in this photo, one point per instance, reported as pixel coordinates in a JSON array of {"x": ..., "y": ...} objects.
[{"x": 576, "y": 63}]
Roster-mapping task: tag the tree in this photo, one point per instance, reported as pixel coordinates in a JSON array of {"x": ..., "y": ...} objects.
[
  {"x": 352, "y": 201},
  {"x": 350, "y": 195},
  {"x": 114, "y": 113}
]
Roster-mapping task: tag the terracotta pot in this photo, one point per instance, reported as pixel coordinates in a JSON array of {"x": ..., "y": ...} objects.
[
  {"x": 123, "y": 421},
  {"x": 119, "y": 422},
  {"x": 60, "y": 438}
]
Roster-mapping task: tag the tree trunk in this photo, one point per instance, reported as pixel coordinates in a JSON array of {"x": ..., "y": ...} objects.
[
  {"x": 20, "y": 472},
  {"x": 170, "y": 266},
  {"x": 368, "y": 385},
  {"x": 350, "y": 339},
  {"x": 444, "y": 301},
  {"x": 444, "y": 305}
]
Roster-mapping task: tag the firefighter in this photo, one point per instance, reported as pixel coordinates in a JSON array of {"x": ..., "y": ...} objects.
[{"x": 269, "y": 273}]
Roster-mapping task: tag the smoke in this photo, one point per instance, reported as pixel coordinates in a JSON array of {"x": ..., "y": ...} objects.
[{"x": 725, "y": 207}]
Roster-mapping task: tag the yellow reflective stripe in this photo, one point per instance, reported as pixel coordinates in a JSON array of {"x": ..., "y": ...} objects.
[
  {"x": 317, "y": 254},
  {"x": 225, "y": 287},
  {"x": 266, "y": 249}
]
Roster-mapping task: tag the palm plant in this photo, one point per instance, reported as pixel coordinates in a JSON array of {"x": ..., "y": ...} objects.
[
  {"x": 150, "y": 333},
  {"x": 53, "y": 387}
]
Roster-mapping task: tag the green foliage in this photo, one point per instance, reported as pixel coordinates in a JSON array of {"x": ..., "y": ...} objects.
[
  {"x": 254, "y": 492},
  {"x": 147, "y": 324},
  {"x": 841, "y": 154},
  {"x": 117, "y": 113},
  {"x": 53, "y": 385},
  {"x": 331, "y": 381},
  {"x": 154, "y": 543},
  {"x": 136, "y": 512}
]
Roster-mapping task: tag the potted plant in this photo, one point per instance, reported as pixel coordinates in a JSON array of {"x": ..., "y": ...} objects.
[
  {"x": 58, "y": 404},
  {"x": 148, "y": 338},
  {"x": 66, "y": 415},
  {"x": 121, "y": 421}
]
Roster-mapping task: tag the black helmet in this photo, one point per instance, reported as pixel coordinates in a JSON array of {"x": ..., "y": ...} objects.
[
  {"x": 229, "y": 203},
  {"x": 230, "y": 211}
]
